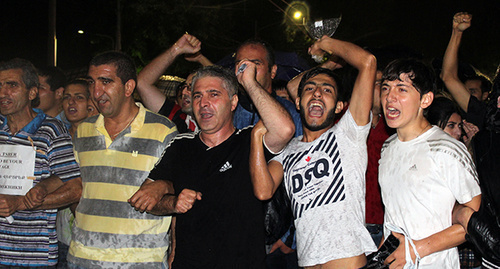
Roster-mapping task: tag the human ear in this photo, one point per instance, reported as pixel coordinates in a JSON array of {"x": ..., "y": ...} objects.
[
  {"x": 33, "y": 93},
  {"x": 129, "y": 87},
  {"x": 339, "y": 107},
  {"x": 274, "y": 70},
  {"x": 426, "y": 100},
  {"x": 234, "y": 102}
]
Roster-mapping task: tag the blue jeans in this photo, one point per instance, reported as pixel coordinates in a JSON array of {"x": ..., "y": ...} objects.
[{"x": 376, "y": 231}]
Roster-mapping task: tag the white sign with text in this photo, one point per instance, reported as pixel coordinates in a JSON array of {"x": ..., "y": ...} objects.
[{"x": 17, "y": 166}]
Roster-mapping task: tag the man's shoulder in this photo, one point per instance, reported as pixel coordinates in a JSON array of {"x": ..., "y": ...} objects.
[
  {"x": 56, "y": 126},
  {"x": 442, "y": 143},
  {"x": 183, "y": 140},
  {"x": 153, "y": 117}
]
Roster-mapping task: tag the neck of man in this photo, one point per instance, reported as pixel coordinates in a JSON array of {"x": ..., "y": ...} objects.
[
  {"x": 309, "y": 135},
  {"x": 19, "y": 120},
  {"x": 413, "y": 131},
  {"x": 115, "y": 125},
  {"x": 215, "y": 139}
]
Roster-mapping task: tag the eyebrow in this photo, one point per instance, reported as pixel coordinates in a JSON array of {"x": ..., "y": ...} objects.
[
  {"x": 322, "y": 84},
  {"x": 399, "y": 84},
  {"x": 255, "y": 61}
]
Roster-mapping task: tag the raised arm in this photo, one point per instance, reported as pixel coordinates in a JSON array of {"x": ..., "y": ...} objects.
[
  {"x": 265, "y": 179},
  {"x": 362, "y": 93},
  {"x": 198, "y": 58},
  {"x": 449, "y": 72},
  {"x": 293, "y": 85},
  {"x": 277, "y": 120},
  {"x": 151, "y": 96}
]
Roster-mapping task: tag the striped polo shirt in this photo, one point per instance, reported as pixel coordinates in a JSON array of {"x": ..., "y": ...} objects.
[
  {"x": 31, "y": 240},
  {"x": 108, "y": 231}
]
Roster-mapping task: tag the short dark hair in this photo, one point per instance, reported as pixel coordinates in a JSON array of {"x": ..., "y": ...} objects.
[
  {"x": 125, "y": 67},
  {"x": 79, "y": 81},
  {"x": 317, "y": 71},
  {"x": 422, "y": 77},
  {"x": 485, "y": 82},
  {"x": 269, "y": 50},
  {"x": 29, "y": 76},
  {"x": 440, "y": 111},
  {"x": 55, "y": 77},
  {"x": 229, "y": 80}
]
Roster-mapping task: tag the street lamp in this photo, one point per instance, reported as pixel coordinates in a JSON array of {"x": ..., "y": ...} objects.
[
  {"x": 111, "y": 39},
  {"x": 297, "y": 13}
]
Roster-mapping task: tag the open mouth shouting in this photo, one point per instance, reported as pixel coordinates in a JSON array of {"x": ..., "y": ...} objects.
[
  {"x": 316, "y": 108},
  {"x": 72, "y": 110},
  {"x": 392, "y": 113}
]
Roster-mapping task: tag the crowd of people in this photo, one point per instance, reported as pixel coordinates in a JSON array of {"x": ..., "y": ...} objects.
[{"x": 235, "y": 173}]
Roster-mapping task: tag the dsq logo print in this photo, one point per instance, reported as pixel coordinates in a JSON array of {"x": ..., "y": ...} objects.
[{"x": 316, "y": 176}]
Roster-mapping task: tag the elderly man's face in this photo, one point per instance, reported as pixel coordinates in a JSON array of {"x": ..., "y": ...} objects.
[
  {"x": 212, "y": 106},
  {"x": 15, "y": 98}
]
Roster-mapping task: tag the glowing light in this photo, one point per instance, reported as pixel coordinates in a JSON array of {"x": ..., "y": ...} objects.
[
  {"x": 81, "y": 32},
  {"x": 297, "y": 15}
]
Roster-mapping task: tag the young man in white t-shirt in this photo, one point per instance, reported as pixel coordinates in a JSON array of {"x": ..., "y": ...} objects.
[
  {"x": 324, "y": 170},
  {"x": 423, "y": 171}
]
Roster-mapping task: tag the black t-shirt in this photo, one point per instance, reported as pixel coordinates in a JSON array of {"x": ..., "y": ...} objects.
[
  {"x": 178, "y": 118},
  {"x": 476, "y": 112},
  {"x": 225, "y": 229},
  {"x": 487, "y": 155}
]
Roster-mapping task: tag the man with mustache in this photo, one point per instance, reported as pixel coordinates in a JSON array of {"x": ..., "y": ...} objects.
[
  {"x": 29, "y": 239},
  {"x": 324, "y": 170},
  {"x": 116, "y": 151},
  {"x": 219, "y": 220}
]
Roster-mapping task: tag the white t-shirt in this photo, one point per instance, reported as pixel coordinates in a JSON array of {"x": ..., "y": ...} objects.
[
  {"x": 420, "y": 181},
  {"x": 325, "y": 180}
]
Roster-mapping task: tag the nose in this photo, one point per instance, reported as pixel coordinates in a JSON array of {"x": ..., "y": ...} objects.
[
  {"x": 318, "y": 92},
  {"x": 71, "y": 100},
  {"x": 458, "y": 130},
  {"x": 3, "y": 90},
  {"x": 390, "y": 96},
  {"x": 204, "y": 101},
  {"x": 96, "y": 89}
]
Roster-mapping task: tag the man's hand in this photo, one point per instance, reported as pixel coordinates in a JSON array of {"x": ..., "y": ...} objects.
[
  {"x": 280, "y": 245},
  {"x": 461, "y": 21},
  {"x": 259, "y": 130},
  {"x": 35, "y": 196},
  {"x": 247, "y": 78},
  {"x": 187, "y": 44},
  {"x": 185, "y": 200},
  {"x": 149, "y": 194},
  {"x": 470, "y": 131},
  {"x": 334, "y": 62},
  {"x": 318, "y": 47},
  {"x": 10, "y": 204},
  {"x": 397, "y": 259}
]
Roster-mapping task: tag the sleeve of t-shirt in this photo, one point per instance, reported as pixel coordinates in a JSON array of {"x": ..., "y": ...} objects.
[
  {"x": 159, "y": 171},
  {"x": 62, "y": 158},
  {"x": 476, "y": 112},
  {"x": 460, "y": 173},
  {"x": 277, "y": 157}
]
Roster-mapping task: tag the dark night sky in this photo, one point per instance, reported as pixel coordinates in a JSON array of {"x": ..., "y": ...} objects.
[{"x": 423, "y": 26}]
